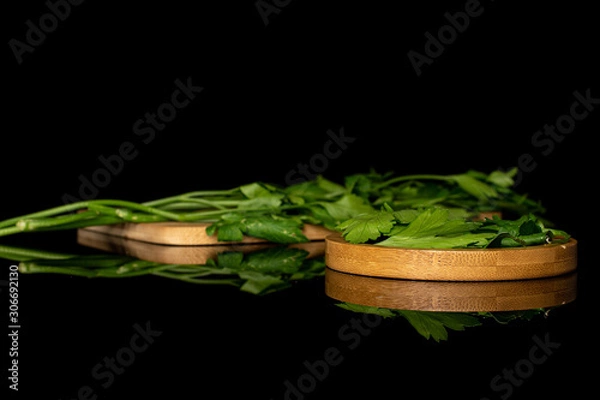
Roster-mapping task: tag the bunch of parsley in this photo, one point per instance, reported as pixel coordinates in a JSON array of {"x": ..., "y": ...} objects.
[
  {"x": 441, "y": 228},
  {"x": 278, "y": 214},
  {"x": 473, "y": 192},
  {"x": 262, "y": 210}
]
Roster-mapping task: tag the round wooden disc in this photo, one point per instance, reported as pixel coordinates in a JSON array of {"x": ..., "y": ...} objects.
[
  {"x": 451, "y": 264},
  {"x": 404, "y": 294}
]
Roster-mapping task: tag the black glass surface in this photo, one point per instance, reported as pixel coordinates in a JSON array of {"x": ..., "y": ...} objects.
[{"x": 142, "y": 101}]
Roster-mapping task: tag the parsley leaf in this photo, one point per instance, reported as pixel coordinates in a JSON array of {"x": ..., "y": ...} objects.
[
  {"x": 429, "y": 324},
  {"x": 274, "y": 228},
  {"x": 438, "y": 242},
  {"x": 369, "y": 226},
  {"x": 501, "y": 178},
  {"x": 435, "y": 324},
  {"x": 435, "y": 221},
  {"x": 348, "y": 206},
  {"x": 269, "y": 270},
  {"x": 441, "y": 228},
  {"x": 475, "y": 187}
]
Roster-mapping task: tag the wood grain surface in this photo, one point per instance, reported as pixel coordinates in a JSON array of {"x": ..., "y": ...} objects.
[
  {"x": 451, "y": 264},
  {"x": 185, "y": 233},
  {"x": 451, "y": 296},
  {"x": 192, "y": 254}
]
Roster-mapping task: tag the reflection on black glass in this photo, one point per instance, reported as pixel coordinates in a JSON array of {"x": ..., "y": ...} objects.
[
  {"x": 257, "y": 269},
  {"x": 433, "y": 308}
]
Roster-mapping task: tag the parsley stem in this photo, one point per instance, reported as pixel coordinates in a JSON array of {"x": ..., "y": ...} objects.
[
  {"x": 192, "y": 195},
  {"x": 46, "y": 213},
  {"x": 192, "y": 279},
  {"x": 192, "y": 204},
  {"x": 411, "y": 178},
  {"x": 103, "y": 212},
  {"x": 526, "y": 240},
  {"x": 119, "y": 272},
  {"x": 22, "y": 254}
]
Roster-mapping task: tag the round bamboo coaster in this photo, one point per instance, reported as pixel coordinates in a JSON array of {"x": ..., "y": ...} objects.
[{"x": 451, "y": 264}]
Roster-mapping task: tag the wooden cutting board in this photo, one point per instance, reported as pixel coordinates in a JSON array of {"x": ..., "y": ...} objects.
[
  {"x": 185, "y": 233},
  {"x": 415, "y": 295},
  {"x": 451, "y": 264},
  {"x": 191, "y": 254}
]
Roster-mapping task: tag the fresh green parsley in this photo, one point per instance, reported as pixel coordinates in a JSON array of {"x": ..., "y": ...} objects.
[{"x": 441, "y": 228}]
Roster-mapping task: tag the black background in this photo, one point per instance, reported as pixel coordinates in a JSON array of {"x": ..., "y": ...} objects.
[{"x": 270, "y": 94}]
